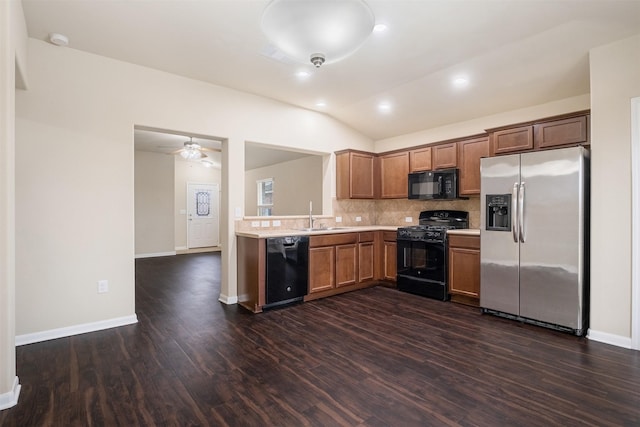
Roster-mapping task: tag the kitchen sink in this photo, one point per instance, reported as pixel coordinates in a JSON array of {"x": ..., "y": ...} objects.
[{"x": 323, "y": 228}]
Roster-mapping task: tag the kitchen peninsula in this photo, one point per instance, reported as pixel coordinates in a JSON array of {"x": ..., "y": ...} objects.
[{"x": 341, "y": 259}]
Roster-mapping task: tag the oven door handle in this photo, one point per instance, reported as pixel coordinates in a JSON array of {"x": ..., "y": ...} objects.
[{"x": 514, "y": 212}]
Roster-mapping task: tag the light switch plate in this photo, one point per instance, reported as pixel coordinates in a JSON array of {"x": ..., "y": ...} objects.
[
  {"x": 276, "y": 223},
  {"x": 408, "y": 219},
  {"x": 264, "y": 224},
  {"x": 358, "y": 218},
  {"x": 338, "y": 219},
  {"x": 255, "y": 223}
]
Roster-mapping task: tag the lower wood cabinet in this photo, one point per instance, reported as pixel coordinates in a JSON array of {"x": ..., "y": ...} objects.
[
  {"x": 464, "y": 269},
  {"x": 346, "y": 265},
  {"x": 389, "y": 255},
  {"x": 366, "y": 256},
  {"x": 322, "y": 268},
  {"x": 333, "y": 262}
]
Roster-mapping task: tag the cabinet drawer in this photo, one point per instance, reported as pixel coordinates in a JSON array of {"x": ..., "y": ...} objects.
[
  {"x": 459, "y": 241},
  {"x": 367, "y": 236},
  {"x": 390, "y": 236},
  {"x": 333, "y": 239}
]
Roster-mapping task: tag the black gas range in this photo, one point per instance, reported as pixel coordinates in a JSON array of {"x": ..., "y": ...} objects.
[{"x": 422, "y": 253}]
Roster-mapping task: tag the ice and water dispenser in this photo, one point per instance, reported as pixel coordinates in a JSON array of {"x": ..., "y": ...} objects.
[{"x": 498, "y": 212}]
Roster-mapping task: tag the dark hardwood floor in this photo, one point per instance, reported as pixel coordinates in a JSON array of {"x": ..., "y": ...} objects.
[{"x": 375, "y": 357}]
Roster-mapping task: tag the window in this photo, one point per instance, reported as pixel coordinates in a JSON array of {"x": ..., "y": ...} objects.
[{"x": 265, "y": 197}]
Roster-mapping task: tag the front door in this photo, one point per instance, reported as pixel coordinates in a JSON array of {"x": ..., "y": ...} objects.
[{"x": 202, "y": 215}]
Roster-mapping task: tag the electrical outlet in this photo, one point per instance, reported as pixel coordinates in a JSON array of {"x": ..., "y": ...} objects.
[
  {"x": 358, "y": 218},
  {"x": 276, "y": 223},
  {"x": 264, "y": 224},
  {"x": 408, "y": 219},
  {"x": 103, "y": 286},
  {"x": 338, "y": 219},
  {"x": 255, "y": 223}
]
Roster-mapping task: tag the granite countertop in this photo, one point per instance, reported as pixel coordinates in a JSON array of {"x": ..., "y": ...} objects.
[
  {"x": 260, "y": 234},
  {"x": 465, "y": 231}
]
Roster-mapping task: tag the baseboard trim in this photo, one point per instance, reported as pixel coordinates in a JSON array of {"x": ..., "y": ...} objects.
[
  {"x": 607, "y": 338},
  {"x": 225, "y": 299},
  {"x": 75, "y": 330},
  {"x": 10, "y": 398},
  {"x": 181, "y": 248},
  {"x": 157, "y": 254}
]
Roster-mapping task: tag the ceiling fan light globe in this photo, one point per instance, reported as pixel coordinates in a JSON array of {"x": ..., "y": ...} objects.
[{"x": 301, "y": 28}]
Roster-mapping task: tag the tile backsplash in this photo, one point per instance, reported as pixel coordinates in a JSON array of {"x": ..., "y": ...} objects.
[
  {"x": 370, "y": 212},
  {"x": 395, "y": 211}
]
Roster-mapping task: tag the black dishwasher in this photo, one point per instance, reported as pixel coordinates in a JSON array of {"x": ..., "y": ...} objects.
[{"x": 287, "y": 270}]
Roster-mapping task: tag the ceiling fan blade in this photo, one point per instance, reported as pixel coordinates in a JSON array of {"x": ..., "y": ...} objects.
[
  {"x": 177, "y": 151},
  {"x": 216, "y": 150}
]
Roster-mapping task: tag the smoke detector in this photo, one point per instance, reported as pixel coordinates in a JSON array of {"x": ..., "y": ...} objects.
[
  {"x": 58, "y": 39},
  {"x": 317, "y": 59}
]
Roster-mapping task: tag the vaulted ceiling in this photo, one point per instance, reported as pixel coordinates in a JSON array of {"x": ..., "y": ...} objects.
[{"x": 514, "y": 53}]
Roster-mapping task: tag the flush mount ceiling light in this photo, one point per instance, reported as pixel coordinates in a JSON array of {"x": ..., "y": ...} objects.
[{"x": 319, "y": 31}]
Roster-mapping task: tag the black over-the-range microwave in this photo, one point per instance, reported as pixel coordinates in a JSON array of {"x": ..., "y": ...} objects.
[{"x": 434, "y": 185}]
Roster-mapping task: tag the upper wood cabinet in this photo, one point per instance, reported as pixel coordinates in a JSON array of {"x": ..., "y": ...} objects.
[
  {"x": 445, "y": 156},
  {"x": 547, "y": 133},
  {"x": 512, "y": 140},
  {"x": 355, "y": 175},
  {"x": 394, "y": 171},
  {"x": 561, "y": 132},
  {"x": 469, "y": 154},
  {"x": 420, "y": 159}
]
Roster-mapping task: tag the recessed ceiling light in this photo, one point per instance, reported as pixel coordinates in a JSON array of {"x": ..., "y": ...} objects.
[
  {"x": 321, "y": 104},
  {"x": 460, "y": 81},
  {"x": 384, "y": 107},
  {"x": 303, "y": 74},
  {"x": 379, "y": 28}
]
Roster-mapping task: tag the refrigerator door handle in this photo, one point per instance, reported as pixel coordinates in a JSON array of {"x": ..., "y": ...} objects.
[
  {"x": 521, "y": 213},
  {"x": 514, "y": 212}
]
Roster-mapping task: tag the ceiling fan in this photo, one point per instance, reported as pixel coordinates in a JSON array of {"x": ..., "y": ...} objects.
[{"x": 193, "y": 150}]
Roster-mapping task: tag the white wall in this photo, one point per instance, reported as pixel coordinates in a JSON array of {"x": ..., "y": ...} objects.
[
  {"x": 295, "y": 184},
  {"x": 80, "y": 110},
  {"x": 13, "y": 38},
  {"x": 615, "y": 79},
  {"x": 186, "y": 172},
  {"x": 154, "y": 203}
]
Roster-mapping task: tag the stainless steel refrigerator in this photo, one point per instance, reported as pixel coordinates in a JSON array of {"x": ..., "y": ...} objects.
[{"x": 534, "y": 246}]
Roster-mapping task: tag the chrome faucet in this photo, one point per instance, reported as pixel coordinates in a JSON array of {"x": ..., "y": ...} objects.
[{"x": 310, "y": 214}]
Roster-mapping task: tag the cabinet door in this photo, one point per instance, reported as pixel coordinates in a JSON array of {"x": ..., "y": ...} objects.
[
  {"x": 561, "y": 132},
  {"x": 346, "y": 264},
  {"x": 365, "y": 261},
  {"x": 445, "y": 156},
  {"x": 512, "y": 140},
  {"x": 390, "y": 260},
  {"x": 420, "y": 159},
  {"x": 464, "y": 272},
  {"x": 362, "y": 176},
  {"x": 470, "y": 153},
  {"x": 394, "y": 171},
  {"x": 322, "y": 267},
  {"x": 355, "y": 175}
]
